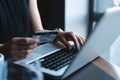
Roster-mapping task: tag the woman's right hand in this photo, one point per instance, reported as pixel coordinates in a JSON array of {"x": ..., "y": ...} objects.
[{"x": 19, "y": 47}]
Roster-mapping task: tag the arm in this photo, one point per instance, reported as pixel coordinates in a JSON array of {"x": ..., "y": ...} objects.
[
  {"x": 35, "y": 16},
  {"x": 20, "y": 47}
]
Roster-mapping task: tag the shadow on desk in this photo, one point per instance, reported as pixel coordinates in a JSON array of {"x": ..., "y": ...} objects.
[
  {"x": 91, "y": 72},
  {"x": 99, "y": 69}
]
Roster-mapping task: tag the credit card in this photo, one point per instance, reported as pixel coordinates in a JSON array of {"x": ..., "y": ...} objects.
[{"x": 46, "y": 36}]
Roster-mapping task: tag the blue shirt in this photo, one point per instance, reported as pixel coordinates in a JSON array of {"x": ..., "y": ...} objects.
[{"x": 14, "y": 19}]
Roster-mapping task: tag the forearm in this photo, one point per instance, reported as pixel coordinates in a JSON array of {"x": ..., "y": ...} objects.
[{"x": 35, "y": 16}]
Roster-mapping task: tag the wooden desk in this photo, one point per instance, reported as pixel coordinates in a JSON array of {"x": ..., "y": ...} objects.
[{"x": 99, "y": 69}]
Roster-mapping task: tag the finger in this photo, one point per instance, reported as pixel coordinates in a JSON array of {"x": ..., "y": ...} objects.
[
  {"x": 81, "y": 40},
  {"x": 59, "y": 29},
  {"x": 22, "y": 40},
  {"x": 56, "y": 39},
  {"x": 84, "y": 40},
  {"x": 65, "y": 42},
  {"x": 22, "y": 47},
  {"x": 22, "y": 52},
  {"x": 27, "y": 47},
  {"x": 74, "y": 39},
  {"x": 26, "y": 51},
  {"x": 20, "y": 56},
  {"x": 17, "y": 55}
]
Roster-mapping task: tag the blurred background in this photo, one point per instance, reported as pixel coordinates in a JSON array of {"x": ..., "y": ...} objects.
[{"x": 72, "y": 15}]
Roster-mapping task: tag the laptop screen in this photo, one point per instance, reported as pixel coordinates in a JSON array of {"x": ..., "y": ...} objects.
[{"x": 99, "y": 41}]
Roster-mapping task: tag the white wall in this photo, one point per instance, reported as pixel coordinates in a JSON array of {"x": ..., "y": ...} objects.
[{"x": 76, "y": 16}]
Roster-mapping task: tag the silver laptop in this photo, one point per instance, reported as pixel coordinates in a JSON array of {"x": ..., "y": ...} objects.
[{"x": 105, "y": 33}]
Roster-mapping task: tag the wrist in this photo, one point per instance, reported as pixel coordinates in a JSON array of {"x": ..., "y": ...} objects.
[{"x": 4, "y": 51}]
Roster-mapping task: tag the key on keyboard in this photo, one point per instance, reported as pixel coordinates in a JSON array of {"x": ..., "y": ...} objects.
[{"x": 58, "y": 59}]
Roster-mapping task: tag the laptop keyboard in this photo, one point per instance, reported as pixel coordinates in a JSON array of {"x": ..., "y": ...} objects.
[{"x": 59, "y": 59}]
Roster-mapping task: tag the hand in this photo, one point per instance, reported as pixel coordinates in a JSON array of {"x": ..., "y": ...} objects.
[
  {"x": 18, "y": 47},
  {"x": 64, "y": 37}
]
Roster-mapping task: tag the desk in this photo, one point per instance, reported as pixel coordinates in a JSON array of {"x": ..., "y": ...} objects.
[{"x": 99, "y": 69}]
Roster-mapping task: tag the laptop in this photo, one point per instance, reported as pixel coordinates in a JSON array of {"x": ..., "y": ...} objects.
[{"x": 105, "y": 33}]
